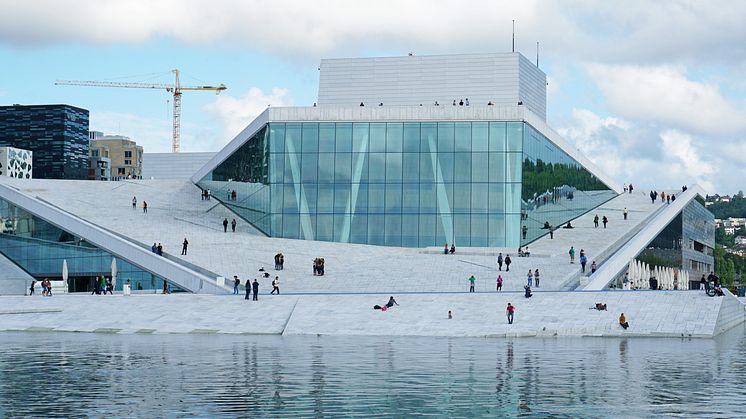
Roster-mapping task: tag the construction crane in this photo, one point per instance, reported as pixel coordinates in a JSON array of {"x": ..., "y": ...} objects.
[{"x": 175, "y": 89}]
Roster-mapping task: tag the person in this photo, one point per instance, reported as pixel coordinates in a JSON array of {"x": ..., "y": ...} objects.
[
  {"x": 154, "y": 248},
  {"x": 453, "y": 248},
  {"x": 719, "y": 290},
  {"x": 282, "y": 261},
  {"x": 165, "y": 287},
  {"x": 134, "y": 202},
  {"x": 507, "y": 263},
  {"x": 593, "y": 267},
  {"x": 362, "y": 104},
  {"x": 583, "y": 261},
  {"x": 526, "y": 252},
  {"x": 605, "y": 220},
  {"x": 600, "y": 307},
  {"x": 509, "y": 312},
  {"x": 623, "y": 321},
  {"x": 572, "y": 254},
  {"x": 255, "y": 288},
  {"x": 668, "y": 199},
  {"x": 184, "y": 245},
  {"x": 467, "y": 101},
  {"x": 225, "y": 225},
  {"x": 445, "y": 249},
  {"x": 236, "y": 283},
  {"x": 546, "y": 225},
  {"x": 144, "y": 207},
  {"x": 527, "y": 291},
  {"x": 568, "y": 225},
  {"x": 49, "y": 288},
  {"x": 536, "y": 278},
  {"x": 703, "y": 282},
  {"x": 391, "y": 302},
  {"x": 500, "y": 261},
  {"x": 450, "y": 316},
  {"x": 276, "y": 285},
  {"x": 625, "y": 213},
  {"x": 625, "y": 281},
  {"x": 461, "y": 102},
  {"x": 233, "y": 225},
  {"x": 625, "y": 188},
  {"x": 595, "y": 221},
  {"x": 139, "y": 285},
  {"x": 551, "y": 233},
  {"x": 524, "y": 231},
  {"x": 520, "y": 252},
  {"x": 96, "y": 287},
  {"x": 529, "y": 278},
  {"x": 159, "y": 249},
  {"x": 31, "y": 289},
  {"x": 673, "y": 197},
  {"x": 499, "y": 283},
  {"x": 652, "y": 197},
  {"x": 471, "y": 283},
  {"x": 631, "y": 188},
  {"x": 109, "y": 287},
  {"x": 233, "y": 195},
  {"x": 316, "y": 266},
  {"x": 277, "y": 261}
]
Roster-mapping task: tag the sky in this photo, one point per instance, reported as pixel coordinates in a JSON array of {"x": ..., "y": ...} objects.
[{"x": 653, "y": 92}]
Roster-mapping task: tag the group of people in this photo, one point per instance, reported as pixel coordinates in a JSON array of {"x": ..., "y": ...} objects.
[
  {"x": 279, "y": 261},
  {"x": 46, "y": 287},
  {"x": 144, "y": 205},
  {"x": 206, "y": 195},
  {"x": 665, "y": 198},
  {"x": 318, "y": 267},
  {"x": 158, "y": 249},
  {"x": 450, "y": 250},
  {"x": 232, "y": 195},
  {"x": 232, "y": 223},
  {"x": 604, "y": 220},
  {"x": 628, "y": 188},
  {"x": 501, "y": 260},
  {"x": 102, "y": 285}
]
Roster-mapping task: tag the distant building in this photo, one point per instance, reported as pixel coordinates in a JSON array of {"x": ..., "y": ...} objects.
[
  {"x": 173, "y": 165},
  {"x": 741, "y": 240},
  {"x": 99, "y": 168},
  {"x": 729, "y": 230},
  {"x": 56, "y": 134},
  {"x": 124, "y": 154},
  {"x": 16, "y": 162}
]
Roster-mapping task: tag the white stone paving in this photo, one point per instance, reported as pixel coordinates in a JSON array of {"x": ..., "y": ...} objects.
[{"x": 176, "y": 211}]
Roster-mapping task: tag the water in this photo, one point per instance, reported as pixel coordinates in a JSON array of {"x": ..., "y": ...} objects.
[{"x": 107, "y": 376}]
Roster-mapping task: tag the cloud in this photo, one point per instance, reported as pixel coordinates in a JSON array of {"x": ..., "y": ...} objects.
[
  {"x": 666, "y": 95},
  {"x": 235, "y": 113}
]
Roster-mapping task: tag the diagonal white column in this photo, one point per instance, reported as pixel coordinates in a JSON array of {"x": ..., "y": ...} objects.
[
  {"x": 357, "y": 173},
  {"x": 300, "y": 194},
  {"x": 444, "y": 208}
]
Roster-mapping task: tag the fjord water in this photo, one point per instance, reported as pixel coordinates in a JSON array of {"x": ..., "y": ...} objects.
[{"x": 107, "y": 376}]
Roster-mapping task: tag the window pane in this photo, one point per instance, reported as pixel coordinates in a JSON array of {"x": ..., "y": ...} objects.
[
  {"x": 496, "y": 196},
  {"x": 393, "y": 198},
  {"x": 377, "y": 167},
  {"x": 326, "y": 198},
  {"x": 514, "y": 167},
  {"x": 360, "y": 133},
  {"x": 343, "y": 137},
  {"x": 462, "y": 230},
  {"x": 309, "y": 167},
  {"x": 393, "y": 167},
  {"x": 427, "y": 230},
  {"x": 378, "y": 137},
  {"x": 411, "y": 137},
  {"x": 445, "y": 137},
  {"x": 394, "y": 132},
  {"x": 426, "y": 168},
  {"x": 376, "y": 229},
  {"x": 515, "y": 136},
  {"x": 445, "y": 166},
  {"x": 326, "y": 167},
  {"x": 376, "y": 198},
  {"x": 462, "y": 136},
  {"x": 428, "y": 202},
  {"x": 310, "y": 137},
  {"x": 342, "y": 167},
  {"x": 479, "y": 198},
  {"x": 411, "y": 198},
  {"x": 409, "y": 230},
  {"x": 497, "y": 167},
  {"x": 479, "y": 232},
  {"x": 359, "y": 229},
  {"x": 341, "y": 197},
  {"x": 479, "y": 136},
  {"x": 393, "y": 230},
  {"x": 461, "y": 198},
  {"x": 326, "y": 136},
  {"x": 324, "y": 227},
  {"x": 428, "y": 137},
  {"x": 479, "y": 167},
  {"x": 497, "y": 136},
  {"x": 411, "y": 167},
  {"x": 292, "y": 138},
  {"x": 462, "y": 167}
]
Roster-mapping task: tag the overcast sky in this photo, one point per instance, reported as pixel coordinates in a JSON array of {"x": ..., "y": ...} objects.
[{"x": 652, "y": 91}]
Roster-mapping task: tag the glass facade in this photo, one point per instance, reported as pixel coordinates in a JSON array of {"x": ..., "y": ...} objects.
[
  {"x": 412, "y": 184},
  {"x": 40, "y": 249},
  {"x": 56, "y": 134}
]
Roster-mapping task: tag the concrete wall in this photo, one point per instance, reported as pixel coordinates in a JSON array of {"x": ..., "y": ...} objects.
[{"x": 175, "y": 166}]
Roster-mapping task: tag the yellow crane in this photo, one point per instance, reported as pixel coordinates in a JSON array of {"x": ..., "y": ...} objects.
[{"x": 175, "y": 89}]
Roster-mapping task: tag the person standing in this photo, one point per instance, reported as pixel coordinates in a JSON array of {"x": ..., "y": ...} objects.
[
  {"x": 471, "y": 283},
  {"x": 31, "y": 288},
  {"x": 500, "y": 261},
  {"x": 233, "y": 225},
  {"x": 184, "y": 246},
  {"x": 536, "y": 278},
  {"x": 605, "y": 220},
  {"x": 572, "y": 254},
  {"x": 109, "y": 287},
  {"x": 159, "y": 249},
  {"x": 509, "y": 312},
  {"x": 507, "y": 263},
  {"x": 630, "y": 188},
  {"x": 255, "y": 288},
  {"x": 248, "y": 289},
  {"x": 282, "y": 261},
  {"x": 530, "y": 278},
  {"x": 144, "y": 207},
  {"x": 595, "y": 221},
  {"x": 134, "y": 202},
  {"x": 593, "y": 267},
  {"x": 499, "y": 283},
  {"x": 625, "y": 213},
  {"x": 445, "y": 249},
  {"x": 96, "y": 287},
  {"x": 154, "y": 248},
  {"x": 165, "y": 287},
  {"x": 225, "y": 225},
  {"x": 236, "y": 283},
  {"x": 583, "y": 261},
  {"x": 276, "y": 285}
]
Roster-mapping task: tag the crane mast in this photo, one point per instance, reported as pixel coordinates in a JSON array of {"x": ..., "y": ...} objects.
[{"x": 175, "y": 89}]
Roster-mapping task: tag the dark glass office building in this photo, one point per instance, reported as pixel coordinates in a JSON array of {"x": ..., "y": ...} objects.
[
  {"x": 412, "y": 184},
  {"x": 57, "y": 135}
]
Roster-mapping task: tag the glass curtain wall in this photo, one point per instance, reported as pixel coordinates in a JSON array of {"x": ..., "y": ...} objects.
[
  {"x": 40, "y": 249},
  {"x": 556, "y": 188}
]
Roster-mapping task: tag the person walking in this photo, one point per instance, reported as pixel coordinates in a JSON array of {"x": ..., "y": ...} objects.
[
  {"x": 595, "y": 221},
  {"x": 236, "y": 283},
  {"x": 625, "y": 213},
  {"x": 530, "y": 278},
  {"x": 507, "y": 263},
  {"x": 631, "y": 188},
  {"x": 583, "y": 261},
  {"x": 225, "y": 225},
  {"x": 604, "y": 220},
  {"x": 184, "y": 246},
  {"x": 233, "y": 225},
  {"x": 248, "y": 289},
  {"x": 500, "y": 261},
  {"x": 593, "y": 267},
  {"x": 109, "y": 287},
  {"x": 255, "y": 288},
  {"x": 509, "y": 312},
  {"x": 499, "y": 283},
  {"x": 276, "y": 285},
  {"x": 536, "y": 278},
  {"x": 144, "y": 207},
  {"x": 471, "y": 283},
  {"x": 134, "y": 202},
  {"x": 165, "y": 287},
  {"x": 96, "y": 287},
  {"x": 31, "y": 288},
  {"x": 572, "y": 254}
]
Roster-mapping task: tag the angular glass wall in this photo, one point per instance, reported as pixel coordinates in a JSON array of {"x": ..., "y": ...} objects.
[
  {"x": 40, "y": 248},
  {"x": 246, "y": 172},
  {"x": 556, "y": 188},
  {"x": 396, "y": 184}
]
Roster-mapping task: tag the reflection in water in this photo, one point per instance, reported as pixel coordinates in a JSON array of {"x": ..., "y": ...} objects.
[{"x": 65, "y": 375}]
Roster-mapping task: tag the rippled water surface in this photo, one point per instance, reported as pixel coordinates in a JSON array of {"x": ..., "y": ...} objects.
[{"x": 106, "y": 376}]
